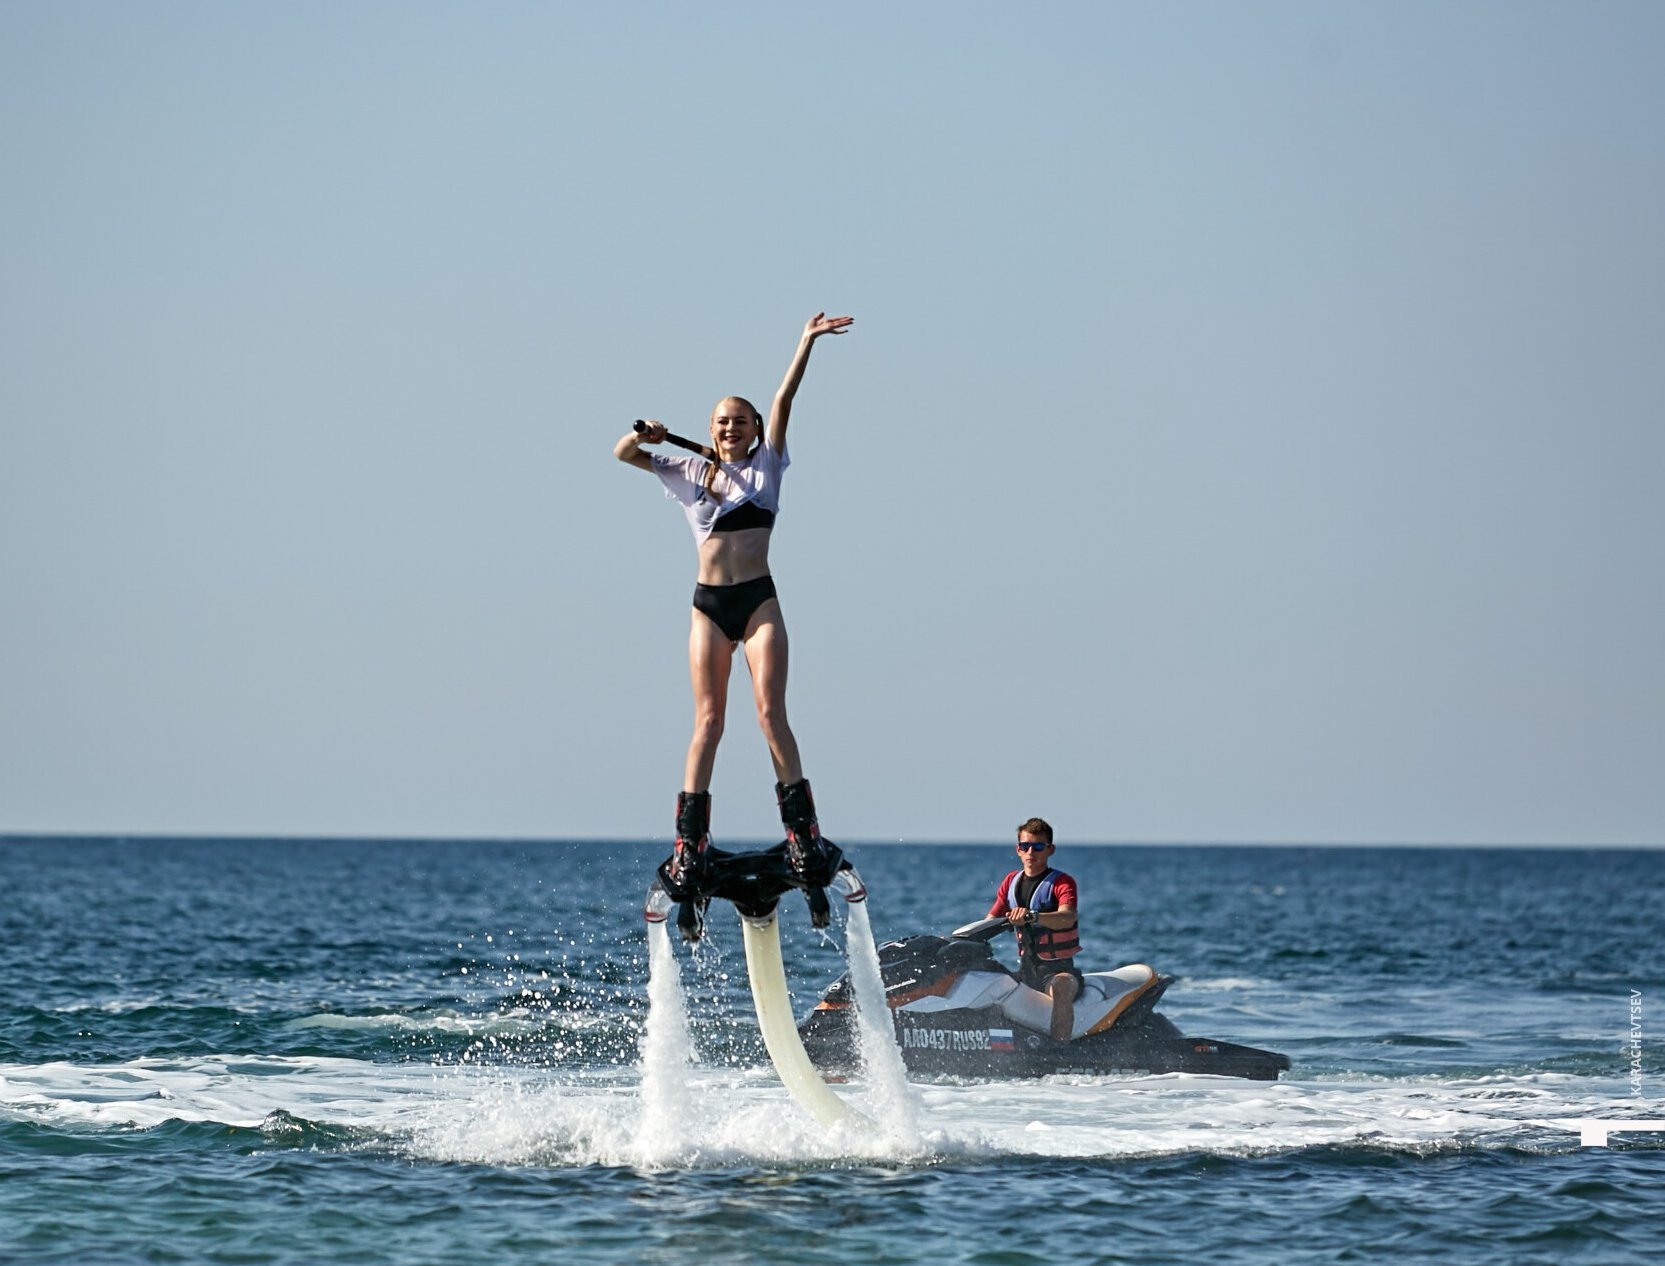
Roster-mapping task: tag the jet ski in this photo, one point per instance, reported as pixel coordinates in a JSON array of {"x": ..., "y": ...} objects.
[{"x": 959, "y": 1012}]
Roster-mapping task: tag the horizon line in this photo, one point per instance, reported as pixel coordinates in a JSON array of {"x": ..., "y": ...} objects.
[{"x": 235, "y": 837}]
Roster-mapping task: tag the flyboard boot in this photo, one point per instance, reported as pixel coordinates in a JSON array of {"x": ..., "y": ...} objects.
[
  {"x": 808, "y": 855},
  {"x": 690, "y": 861}
]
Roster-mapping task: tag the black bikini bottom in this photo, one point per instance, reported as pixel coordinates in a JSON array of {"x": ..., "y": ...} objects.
[{"x": 730, "y": 607}]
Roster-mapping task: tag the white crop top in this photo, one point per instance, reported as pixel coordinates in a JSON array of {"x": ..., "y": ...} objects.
[{"x": 756, "y": 479}]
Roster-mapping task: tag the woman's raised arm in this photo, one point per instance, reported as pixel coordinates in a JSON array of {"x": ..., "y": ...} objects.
[{"x": 781, "y": 412}]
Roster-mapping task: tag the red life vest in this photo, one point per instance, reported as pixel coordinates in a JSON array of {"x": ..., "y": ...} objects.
[{"x": 1050, "y": 945}]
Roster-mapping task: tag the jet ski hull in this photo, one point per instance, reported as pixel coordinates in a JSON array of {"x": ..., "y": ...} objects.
[
  {"x": 985, "y": 1044},
  {"x": 928, "y": 981}
]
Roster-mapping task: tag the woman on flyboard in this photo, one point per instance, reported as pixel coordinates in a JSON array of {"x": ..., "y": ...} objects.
[{"x": 730, "y": 495}]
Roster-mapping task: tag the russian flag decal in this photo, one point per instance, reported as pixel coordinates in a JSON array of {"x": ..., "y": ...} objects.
[{"x": 1000, "y": 1040}]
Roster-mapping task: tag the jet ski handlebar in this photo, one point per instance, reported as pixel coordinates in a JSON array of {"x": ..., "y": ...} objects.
[{"x": 981, "y": 930}]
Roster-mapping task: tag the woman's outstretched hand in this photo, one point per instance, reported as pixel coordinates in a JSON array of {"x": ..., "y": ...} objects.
[
  {"x": 821, "y": 323},
  {"x": 651, "y": 433}
]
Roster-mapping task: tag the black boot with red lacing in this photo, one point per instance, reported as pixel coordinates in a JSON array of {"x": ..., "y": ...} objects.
[
  {"x": 693, "y": 836},
  {"x": 805, "y": 851}
]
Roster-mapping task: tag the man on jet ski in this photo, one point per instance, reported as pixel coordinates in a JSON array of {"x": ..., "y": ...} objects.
[{"x": 1039, "y": 903}]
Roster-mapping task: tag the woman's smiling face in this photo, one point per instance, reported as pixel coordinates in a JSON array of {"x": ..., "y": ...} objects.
[{"x": 735, "y": 428}]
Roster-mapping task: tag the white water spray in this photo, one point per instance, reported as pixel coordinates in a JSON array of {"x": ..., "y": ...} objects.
[
  {"x": 894, "y": 1103},
  {"x": 678, "y": 1127},
  {"x": 666, "y": 1051}
]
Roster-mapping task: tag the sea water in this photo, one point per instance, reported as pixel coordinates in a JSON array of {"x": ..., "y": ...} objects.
[{"x": 286, "y": 1051}]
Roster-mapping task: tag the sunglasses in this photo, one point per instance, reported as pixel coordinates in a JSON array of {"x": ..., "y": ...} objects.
[{"x": 1032, "y": 846}]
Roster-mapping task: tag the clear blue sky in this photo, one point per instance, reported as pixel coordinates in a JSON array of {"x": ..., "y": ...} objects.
[{"x": 1251, "y": 428}]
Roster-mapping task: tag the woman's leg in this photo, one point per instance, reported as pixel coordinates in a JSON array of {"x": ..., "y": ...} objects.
[
  {"x": 710, "y": 659},
  {"x": 766, "y": 657}
]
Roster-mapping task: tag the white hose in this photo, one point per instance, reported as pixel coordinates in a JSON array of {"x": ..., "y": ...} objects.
[{"x": 780, "y": 1033}]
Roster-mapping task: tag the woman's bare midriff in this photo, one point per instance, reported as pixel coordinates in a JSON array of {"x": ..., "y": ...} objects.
[{"x": 732, "y": 558}]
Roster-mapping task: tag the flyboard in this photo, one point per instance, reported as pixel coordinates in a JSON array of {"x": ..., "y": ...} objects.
[{"x": 754, "y": 883}]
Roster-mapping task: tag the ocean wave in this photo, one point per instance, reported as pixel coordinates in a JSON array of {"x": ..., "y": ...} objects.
[
  {"x": 1220, "y": 984},
  {"x": 516, "y": 1116},
  {"x": 447, "y": 1022}
]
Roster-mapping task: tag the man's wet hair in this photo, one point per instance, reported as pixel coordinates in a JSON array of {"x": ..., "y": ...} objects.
[{"x": 1037, "y": 826}]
